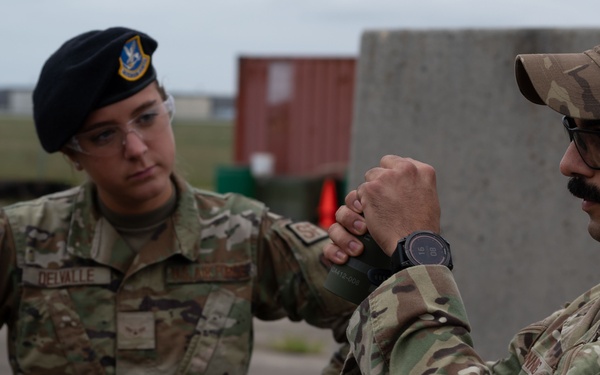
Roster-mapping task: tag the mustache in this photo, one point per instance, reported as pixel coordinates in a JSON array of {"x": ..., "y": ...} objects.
[{"x": 579, "y": 188}]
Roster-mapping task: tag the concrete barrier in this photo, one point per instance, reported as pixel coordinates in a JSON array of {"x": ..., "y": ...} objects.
[{"x": 449, "y": 98}]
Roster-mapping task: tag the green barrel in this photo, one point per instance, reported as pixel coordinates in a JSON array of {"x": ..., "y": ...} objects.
[{"x": 235, "y": 179}]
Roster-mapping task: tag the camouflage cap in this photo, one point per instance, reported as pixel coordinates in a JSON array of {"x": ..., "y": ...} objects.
[{"x": 569, "y": 83}]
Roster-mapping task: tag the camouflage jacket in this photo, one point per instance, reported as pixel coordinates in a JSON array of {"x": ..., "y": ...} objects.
[
  {"x": 415, "y": 323},
  {"x": 76, "y": 299}
]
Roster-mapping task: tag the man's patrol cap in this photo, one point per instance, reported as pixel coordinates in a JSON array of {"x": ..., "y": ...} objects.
[
  {"x": 569, "y": 83},
  {"x": 87, "y": 72}
]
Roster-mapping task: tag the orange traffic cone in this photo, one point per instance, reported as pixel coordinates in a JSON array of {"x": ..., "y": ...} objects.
[{"x": 327, "y": 204}]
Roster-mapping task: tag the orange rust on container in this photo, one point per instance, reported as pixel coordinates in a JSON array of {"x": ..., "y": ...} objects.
[{"x": 298, "y": 109}]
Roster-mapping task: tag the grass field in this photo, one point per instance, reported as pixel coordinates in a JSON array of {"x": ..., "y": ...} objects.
[{"x": 201, "y": 147}]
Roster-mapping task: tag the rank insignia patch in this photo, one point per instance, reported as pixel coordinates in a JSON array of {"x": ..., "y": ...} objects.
[
  {"x": 307, "y": 232},
  {"x": 134, "y": 62}
]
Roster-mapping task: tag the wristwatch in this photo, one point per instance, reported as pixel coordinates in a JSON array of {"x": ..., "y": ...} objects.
[{"x": 421, "y": 247}]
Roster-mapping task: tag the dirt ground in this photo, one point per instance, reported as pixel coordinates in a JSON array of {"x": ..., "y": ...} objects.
[{"x": 265, "y": 360}]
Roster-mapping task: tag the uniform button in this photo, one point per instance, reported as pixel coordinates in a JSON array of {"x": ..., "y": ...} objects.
[{"x": 30, "y": 255}]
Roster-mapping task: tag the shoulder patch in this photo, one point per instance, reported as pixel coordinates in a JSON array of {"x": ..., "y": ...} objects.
[
  {"x": 535, "y": 364},
  {"x": 307, "y": 232}
]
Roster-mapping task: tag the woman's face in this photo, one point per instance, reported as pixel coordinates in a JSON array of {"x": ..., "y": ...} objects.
[{"x": 135, "y": 177}]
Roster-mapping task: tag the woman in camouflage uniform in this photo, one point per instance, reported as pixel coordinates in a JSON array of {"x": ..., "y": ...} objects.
[{"x": 135, "y": 271}]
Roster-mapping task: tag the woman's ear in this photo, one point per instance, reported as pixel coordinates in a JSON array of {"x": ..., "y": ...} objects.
[{"x": 71, "y": 156}]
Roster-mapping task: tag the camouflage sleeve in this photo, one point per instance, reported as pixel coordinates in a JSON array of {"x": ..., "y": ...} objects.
[
  {"x": 292, "y": 270},
  {"x": 7, "y": 270},
  {"x": 415, "y": 323}
]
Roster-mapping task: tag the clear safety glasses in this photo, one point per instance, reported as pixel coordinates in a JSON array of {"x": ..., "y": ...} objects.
[{"x": 109, "y": 140}]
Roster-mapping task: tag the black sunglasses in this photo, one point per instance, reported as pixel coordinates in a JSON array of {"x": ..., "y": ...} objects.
[{"x": 586, "y": 141}]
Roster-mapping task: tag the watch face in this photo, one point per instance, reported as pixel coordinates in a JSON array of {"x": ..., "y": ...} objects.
[{"x": 426, "y": 249}]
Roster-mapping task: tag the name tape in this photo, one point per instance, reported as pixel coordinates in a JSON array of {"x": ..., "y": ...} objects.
[{"x": 56, "y": 278}]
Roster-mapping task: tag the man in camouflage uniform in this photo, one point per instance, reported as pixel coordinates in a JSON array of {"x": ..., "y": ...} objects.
[
  {"x": 90, "y": 286},
  {"x": 415, "y": 322}
]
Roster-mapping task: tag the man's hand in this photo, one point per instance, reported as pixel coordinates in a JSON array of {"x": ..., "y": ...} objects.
[
  {"x": 349, "y": 223},
  {"x": 396, "y": 199}
]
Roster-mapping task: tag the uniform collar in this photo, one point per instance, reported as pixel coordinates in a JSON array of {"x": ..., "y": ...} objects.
[{"x": 86, "y": 222}]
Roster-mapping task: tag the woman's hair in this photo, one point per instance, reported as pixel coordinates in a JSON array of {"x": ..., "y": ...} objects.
[{"x": 161, "y": 90}]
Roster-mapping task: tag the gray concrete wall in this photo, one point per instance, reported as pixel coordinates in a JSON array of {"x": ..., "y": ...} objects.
[{"x": 449, "y": 98}]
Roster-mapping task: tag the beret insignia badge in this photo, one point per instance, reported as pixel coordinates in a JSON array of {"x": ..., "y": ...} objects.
[{"x": 133, "y": 61}]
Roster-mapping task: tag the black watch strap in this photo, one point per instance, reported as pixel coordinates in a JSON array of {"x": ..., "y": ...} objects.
[{"x": 396, "y": 263}]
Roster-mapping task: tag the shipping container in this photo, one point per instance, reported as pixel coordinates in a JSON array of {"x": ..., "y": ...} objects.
[{"x": 298, "y": 109}]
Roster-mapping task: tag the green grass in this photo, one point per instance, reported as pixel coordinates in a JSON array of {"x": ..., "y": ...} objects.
[
  {"x": 201, "y": 147},
  {"x": 297, "y": 345}
]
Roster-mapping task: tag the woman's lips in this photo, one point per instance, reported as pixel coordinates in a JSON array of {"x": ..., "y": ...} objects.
[{"x": 144, "y": 173}]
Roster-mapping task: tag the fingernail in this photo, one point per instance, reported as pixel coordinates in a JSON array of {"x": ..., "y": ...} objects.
[
  {"x": 359, "y": 225},
  {"x": 341, "y": 256},
  {"x": 357, "y": 205},
  {"x": 354, "y": 247}
]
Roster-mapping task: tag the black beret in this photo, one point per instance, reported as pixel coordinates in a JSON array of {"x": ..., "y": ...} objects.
[{"x": 87, "y": 72}]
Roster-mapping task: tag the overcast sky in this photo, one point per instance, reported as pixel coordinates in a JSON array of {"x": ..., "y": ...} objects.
[{"x": 201, "y": 40}]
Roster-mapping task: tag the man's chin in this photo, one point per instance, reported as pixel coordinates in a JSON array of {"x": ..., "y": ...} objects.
[{"x": 594, "y": 229}]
